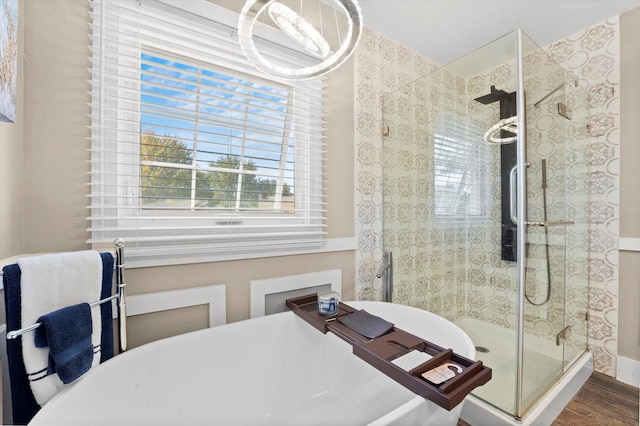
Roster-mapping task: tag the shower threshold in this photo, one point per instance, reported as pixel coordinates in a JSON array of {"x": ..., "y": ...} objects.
[{"x": 479, "y": 413}]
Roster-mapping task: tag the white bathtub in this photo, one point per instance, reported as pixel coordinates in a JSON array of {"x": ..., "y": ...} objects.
[{"x": 274, "y": 370}]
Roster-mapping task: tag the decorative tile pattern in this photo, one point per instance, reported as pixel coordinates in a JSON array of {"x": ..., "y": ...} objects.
[
  {"x": 598, "y": 70},
  {"x": 382, "y": 66},
  {"x": 451, "y": 268},
  {"x": 458, "y": 260}
]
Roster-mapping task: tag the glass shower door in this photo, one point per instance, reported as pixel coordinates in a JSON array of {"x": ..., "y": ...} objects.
[
  {"x": 578, "y": 201},
  {"x": 546, "y": 222},
  {"x": 557, "y": 201},
  {"x": 444, "y": 204},
  {"x": 448, "y": 218}
]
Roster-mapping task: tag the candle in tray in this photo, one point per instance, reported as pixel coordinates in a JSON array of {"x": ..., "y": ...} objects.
[{"x": 328, "y": 303}]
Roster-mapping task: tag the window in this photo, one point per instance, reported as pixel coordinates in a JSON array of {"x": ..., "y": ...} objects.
[
  {"x": 458, "y": 172},
  {"x": 195, "y": 155},
  {"x": 213, "y": 139}
]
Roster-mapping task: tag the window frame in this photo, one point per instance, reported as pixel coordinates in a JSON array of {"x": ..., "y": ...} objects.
[{"x": 308, "y": 180}]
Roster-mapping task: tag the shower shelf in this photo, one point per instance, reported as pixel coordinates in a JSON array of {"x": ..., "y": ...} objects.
[{"x": 381, "y": 351}]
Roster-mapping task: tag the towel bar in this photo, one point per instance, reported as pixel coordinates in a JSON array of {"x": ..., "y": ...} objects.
[
  {"x": 15, "y": 333},
  {"x": 120, "y": 295}
]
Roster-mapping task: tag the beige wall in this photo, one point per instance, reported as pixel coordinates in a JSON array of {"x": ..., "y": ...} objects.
[
  {"x": 49, "y": 142},
  {"x": 11, "y": 165},
  {"x": 55, "y": 125},
  {"x": 629, "y": 314},
  {"x": 56, "y": 173}
]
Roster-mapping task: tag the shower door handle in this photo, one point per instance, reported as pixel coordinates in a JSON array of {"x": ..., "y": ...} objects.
[{"x": 513, "y": 199}]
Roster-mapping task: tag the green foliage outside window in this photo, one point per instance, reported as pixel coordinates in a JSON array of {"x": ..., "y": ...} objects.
[{"x": 167, "y": 178}]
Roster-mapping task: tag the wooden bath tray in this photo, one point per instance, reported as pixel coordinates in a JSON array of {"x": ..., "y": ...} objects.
[{"x": 381, "y": 351}]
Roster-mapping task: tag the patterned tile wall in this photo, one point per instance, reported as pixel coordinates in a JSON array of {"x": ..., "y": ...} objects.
[
  {"x": 491, "y": 281},
  {"x": 481, "y": 287},
  {"x": 382, "y": 66},
  {"x": 562, "y": 145},
  {"x": 430, "y": 252},
  {"x": 593, "y": 57},
  {"x": 556, "y": 141},
  {"x": 451, "y": 264}
]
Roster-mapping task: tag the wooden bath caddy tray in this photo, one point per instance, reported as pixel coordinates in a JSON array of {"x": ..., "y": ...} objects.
[{"x": 381, "y": 351}]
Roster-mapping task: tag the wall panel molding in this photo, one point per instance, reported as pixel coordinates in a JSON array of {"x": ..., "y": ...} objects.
[{"x": 629, "y": 244}]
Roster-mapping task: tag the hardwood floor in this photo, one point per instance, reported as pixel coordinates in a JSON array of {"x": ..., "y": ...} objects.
[{"x": 602, "y": 401}]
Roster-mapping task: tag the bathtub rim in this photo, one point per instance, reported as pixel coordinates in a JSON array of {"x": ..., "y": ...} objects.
[{"x": 382, "y": 309}]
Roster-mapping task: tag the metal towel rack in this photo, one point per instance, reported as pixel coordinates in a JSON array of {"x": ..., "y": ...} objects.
[{"x": 120, "y": 295}]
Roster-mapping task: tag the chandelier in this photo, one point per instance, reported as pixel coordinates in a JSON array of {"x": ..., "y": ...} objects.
[{"x": 327, "y": 31}]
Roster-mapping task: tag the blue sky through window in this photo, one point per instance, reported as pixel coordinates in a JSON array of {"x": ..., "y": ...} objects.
[{"x": 215, "y": 113}]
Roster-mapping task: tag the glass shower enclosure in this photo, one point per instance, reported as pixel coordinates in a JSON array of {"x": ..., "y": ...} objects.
[{"x": 486, "y": 200}]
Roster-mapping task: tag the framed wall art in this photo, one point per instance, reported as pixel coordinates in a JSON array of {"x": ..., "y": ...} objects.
[{"x": 8, "y": 59}]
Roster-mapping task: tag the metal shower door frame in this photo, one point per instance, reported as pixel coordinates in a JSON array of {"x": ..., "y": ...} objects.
[{"x": 521, "y": 202}]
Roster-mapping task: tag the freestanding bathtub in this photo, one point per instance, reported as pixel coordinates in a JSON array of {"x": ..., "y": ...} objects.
[{"x": 274, "y": 370}]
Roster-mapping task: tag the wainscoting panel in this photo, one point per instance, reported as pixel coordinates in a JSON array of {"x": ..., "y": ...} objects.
[
  {"x": 212, "y": 295},
  {"x": 268, "y": 295}
]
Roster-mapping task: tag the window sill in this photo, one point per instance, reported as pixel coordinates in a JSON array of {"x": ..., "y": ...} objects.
[{"x": 332, "y": 245}]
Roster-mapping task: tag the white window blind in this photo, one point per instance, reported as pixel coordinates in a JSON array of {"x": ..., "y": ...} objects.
[
  {"x": 458, "y": 176},
  {"x": 194, "y": 154}
]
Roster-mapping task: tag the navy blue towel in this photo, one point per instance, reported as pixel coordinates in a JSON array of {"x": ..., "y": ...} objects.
[
  {"x": 67, "y": 333},
  {"x": 23, "y": 403}
]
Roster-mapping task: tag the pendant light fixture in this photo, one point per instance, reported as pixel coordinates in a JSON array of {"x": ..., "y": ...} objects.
[
  {"x": 326, "y": 30},
  {"x": 507, "y": 124}
]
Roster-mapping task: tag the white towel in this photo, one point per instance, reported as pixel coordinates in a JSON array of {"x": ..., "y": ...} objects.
[{"x": 48, "y": 283}]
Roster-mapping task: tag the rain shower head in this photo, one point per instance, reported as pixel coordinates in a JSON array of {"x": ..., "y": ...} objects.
[
  {"x": 494, "y": 96},
  {"x": 509, "y": 121}
]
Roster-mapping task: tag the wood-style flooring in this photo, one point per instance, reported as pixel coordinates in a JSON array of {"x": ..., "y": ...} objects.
[{"x": 602, "y": 401}]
